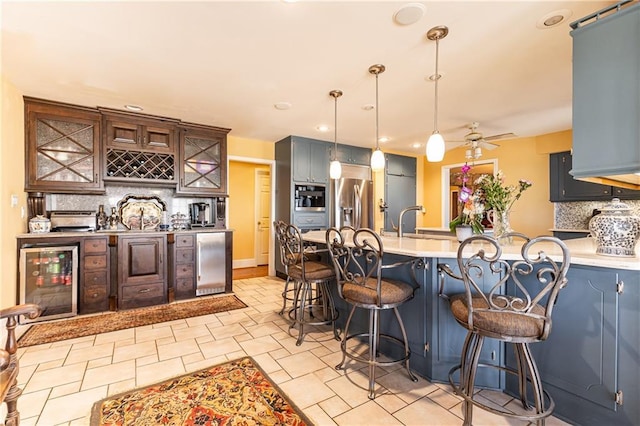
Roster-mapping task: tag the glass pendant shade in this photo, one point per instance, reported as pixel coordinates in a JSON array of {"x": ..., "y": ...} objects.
[
  {"x": 435, "y": 148},
  {"x": 377, "y": 160},
  {"x": 335, "y": 169}
]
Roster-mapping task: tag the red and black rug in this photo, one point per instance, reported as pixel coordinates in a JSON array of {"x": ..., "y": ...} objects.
[
  {"x": 55, "y": 331},
  {"x": 234, "y": 393}
]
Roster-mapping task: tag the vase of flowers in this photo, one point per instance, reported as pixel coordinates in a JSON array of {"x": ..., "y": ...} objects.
[
  {"x": 499, "y": 198},
  {"x": 469, "y": 220}
]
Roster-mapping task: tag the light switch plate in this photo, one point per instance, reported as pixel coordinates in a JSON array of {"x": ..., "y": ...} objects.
[{"x": 14, "y": 200}]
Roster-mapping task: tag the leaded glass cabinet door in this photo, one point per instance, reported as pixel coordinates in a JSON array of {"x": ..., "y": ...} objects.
[
  {"x": 203, "y": 159},
  {"x": 62, "y": 148}
]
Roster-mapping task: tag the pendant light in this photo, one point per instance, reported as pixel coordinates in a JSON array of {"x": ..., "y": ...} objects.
[
  {"x": 435, "y": 144},
  {"x": 377, "y": 158},
  {"x": 335, "y": 169}
]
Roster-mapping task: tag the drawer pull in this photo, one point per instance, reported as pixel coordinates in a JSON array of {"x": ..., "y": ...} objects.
[
  {"x": 95, "y": 279},
  {"x": 94, "y": 295},
  {"x": 144, "y": 290}
]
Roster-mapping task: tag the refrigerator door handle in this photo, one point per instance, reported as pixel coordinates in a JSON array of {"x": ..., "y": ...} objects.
[
  {"x": 357, "y": 206},
  {"x": 199, "y": 256}
]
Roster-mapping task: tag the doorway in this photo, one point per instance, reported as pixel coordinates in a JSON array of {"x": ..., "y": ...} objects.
[
  {"x": 248, "y": 227},
  {"x": 450, "y": 185}
]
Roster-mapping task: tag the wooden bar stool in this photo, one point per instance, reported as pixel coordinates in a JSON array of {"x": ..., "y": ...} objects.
[{"x": 508, "y": 300}]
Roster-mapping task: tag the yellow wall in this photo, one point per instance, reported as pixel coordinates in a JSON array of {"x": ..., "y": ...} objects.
[
  {"x": 242, "y": 207},
  {"x": 12, "y": 178},
  {"x": 524, "y": 158},
  {"x": 251, "y": 148}
]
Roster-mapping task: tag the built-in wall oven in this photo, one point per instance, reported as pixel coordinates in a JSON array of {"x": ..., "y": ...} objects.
[{"x": 49, "y": 278}]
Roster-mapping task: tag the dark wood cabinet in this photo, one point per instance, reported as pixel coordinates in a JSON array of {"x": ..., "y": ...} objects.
[
  {"x": 62, "y": 148},
  {"x": 139, "y": 148},
  {"x": 203, "y": 160},
  {"x": 142, "y": 271},
  {"x": 95, "y": 284},
  {"x": 185, "y": 266},
  {"x": 563, "y": 187}
]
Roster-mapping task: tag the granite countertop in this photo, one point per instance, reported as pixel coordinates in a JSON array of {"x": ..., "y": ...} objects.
[
  {"x": 583, "y": 250},
  {"x": 119, "y": 232}
]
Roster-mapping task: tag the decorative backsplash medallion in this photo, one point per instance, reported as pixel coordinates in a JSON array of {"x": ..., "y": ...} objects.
[{"x": 576, "y": 215}]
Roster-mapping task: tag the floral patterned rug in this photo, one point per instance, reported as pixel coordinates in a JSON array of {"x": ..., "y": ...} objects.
[
  {"x": 54, "y": 331},
  {"x": 234, "y": 393}
]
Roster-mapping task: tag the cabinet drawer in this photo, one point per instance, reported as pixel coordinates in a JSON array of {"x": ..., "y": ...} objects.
[
  {"x": 307, "y": 220},
  {"x": 185, "y": 240},
  {"x": 98, "y": 245},
  {"x": 185, "y": 270},
  {"x": 97, "y": 278},
  {"x": 185, "y": 255},
  {"x": 142, "y": 292},
  {"x": 94, "y": 294},
  {"x": 95, "y": 262},
  {"x": 184, "y": 285}
]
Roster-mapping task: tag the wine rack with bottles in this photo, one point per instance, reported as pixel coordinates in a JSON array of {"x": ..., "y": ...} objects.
[{"x": 152, "y": 166}]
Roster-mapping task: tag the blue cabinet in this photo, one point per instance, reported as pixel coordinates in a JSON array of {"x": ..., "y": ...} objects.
[
  {"x": 590, "y": 362},
  {"x": 348, "y": 154},
  {"x": 606, "y": 93},
  {"x": 400, "y": 191},
  {"x": 310, "y": 160}
]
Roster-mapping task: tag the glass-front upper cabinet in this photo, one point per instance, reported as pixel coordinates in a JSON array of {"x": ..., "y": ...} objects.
[
  {"x": 62, "y": 149},
  {"x": 203, "y": 160}
]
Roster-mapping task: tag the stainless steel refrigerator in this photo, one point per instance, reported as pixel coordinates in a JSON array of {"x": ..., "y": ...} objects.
[{"x": 352, "y": 198}]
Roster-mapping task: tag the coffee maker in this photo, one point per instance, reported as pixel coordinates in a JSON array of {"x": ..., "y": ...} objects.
[{"x": 200, "y": 214}]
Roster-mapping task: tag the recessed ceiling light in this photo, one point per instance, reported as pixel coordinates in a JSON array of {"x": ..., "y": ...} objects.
[
  {"x": 409, "y": 14},
  {"x": 368, "y": 107},
  {"x": 322, "y": 128},
  {"x": 384, "y": 139},
  {"x": 282, "y": 106},
  {"x": 133, "y": 107},
  {"x": 416, "y": 145},
  {"x": 553, "y": 19}
]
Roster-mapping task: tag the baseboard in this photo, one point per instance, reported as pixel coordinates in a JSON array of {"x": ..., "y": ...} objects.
[{"x": 244, "y": 263}]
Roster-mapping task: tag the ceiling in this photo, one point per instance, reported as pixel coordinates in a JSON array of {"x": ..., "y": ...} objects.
[{"x": 228, "y": 63}]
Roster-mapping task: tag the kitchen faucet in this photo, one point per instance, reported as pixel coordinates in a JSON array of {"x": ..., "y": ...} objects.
[{"x": 402, "y": 212}]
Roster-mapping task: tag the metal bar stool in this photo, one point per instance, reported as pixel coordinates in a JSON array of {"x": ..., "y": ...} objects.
[
  {"x": 312, "y": 302},
  {"x": 357, "y": 257},
  {"x": 287, "y": 293},
  {"x": 511, "y": 301}
]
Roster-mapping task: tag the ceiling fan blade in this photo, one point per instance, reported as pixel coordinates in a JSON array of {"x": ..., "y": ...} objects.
[
  {"x": 500, "y": 136},
  {"x": 488, "y": 145}
]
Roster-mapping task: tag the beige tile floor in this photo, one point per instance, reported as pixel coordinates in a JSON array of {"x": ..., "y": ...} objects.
[{"x": 62, "y": 380}]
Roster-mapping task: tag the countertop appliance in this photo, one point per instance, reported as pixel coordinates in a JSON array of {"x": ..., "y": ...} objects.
[
  {"x": 210, "y": 263},
  {"x": 352, "y": 197},
  {"x": 73, "y": 221},
  {"x": 208, "y": 214}
]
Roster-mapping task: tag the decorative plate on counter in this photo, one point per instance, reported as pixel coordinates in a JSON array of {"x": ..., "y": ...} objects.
[{"x": 141, "y": 212}]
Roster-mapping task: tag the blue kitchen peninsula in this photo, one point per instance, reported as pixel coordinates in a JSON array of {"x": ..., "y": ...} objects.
[{"x": 591, "y": 362}]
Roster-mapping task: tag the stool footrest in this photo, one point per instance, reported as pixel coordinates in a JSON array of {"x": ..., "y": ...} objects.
[
  {"x": 546, "y": 412},
  {"x": 360, "y": 358}
]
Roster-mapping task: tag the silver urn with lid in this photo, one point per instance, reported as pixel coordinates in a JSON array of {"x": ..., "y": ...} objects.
[{"x": 616, "y": 230}]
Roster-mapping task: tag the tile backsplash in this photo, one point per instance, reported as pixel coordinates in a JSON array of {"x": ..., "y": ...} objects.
[
  {"x": 576, "y": 215},
  {"x": 115, "y": 194}
]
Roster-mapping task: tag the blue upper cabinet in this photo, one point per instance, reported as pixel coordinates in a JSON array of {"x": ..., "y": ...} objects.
[
  {"x": 399, "y": 165},
  {"x": 310, "y": 160},
  {"x": 606, "y": 95},
  {"x": 348, "y": 154}
]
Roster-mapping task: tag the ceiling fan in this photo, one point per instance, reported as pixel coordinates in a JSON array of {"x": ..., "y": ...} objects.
[{"x": 475, "y": 141}]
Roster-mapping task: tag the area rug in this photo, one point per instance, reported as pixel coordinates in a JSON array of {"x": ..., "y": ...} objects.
[
  {"x": 112, "y": 321},
  {"x": 234, "y": 393}
]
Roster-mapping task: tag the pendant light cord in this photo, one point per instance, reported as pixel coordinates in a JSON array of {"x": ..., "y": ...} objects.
[
  {"x": 335, "y": 128},
  {"x": 436, "y": 77},
  {"x": 377, "y": 115}
]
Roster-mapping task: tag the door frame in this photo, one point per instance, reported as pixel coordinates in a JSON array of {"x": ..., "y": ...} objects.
[
  {"x": 258, "y": 173},
  {"x": 446, "y": 183},
  {"x": 272, "y": 212}
]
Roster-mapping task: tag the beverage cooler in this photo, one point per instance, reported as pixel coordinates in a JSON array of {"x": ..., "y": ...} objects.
[{"x": 49, "y": 278}]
